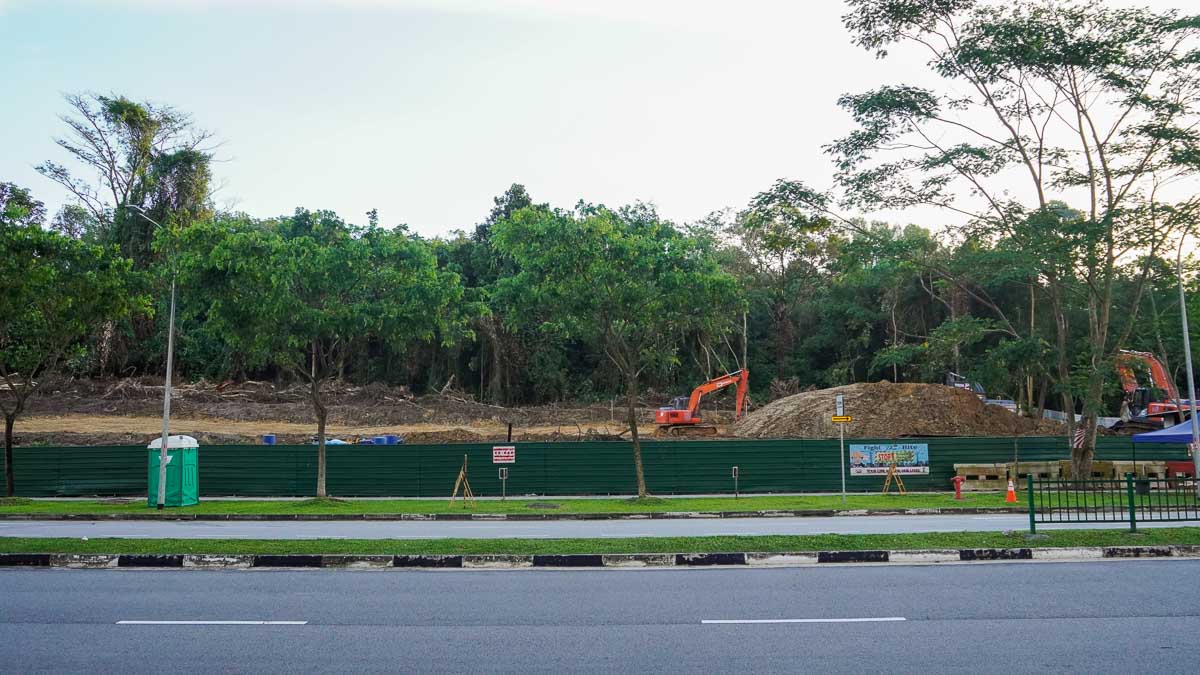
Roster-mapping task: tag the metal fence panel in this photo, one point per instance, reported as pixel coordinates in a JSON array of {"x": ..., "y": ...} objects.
[{"x": 566, "y": 468}]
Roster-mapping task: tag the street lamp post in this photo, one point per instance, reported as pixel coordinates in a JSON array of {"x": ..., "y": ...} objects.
[
  {"x": 1187, "y": 355},
  {"x": 166, "y": 421}
]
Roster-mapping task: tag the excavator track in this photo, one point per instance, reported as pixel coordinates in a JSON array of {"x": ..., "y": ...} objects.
[{"x": 685, "y": 431}]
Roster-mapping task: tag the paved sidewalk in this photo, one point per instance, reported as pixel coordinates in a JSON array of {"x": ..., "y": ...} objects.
[{"x": 531, "y": 530}]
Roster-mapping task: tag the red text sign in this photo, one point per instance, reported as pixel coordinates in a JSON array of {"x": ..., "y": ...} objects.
[{"x": 504, "y": 454}]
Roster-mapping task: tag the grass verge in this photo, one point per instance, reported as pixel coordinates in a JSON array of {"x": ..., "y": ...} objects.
[
  {"x": 519, "y": 506},
  {"x": 825, "y": 542}
]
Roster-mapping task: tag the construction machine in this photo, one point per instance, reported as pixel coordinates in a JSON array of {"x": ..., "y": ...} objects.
[
  {"x": 682, "y": 416},
  {"x": 959, "y": 382},
  {"x": 1153, "y": 406}
]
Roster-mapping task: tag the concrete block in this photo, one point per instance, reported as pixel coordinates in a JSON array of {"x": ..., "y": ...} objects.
[
  {"x": 972, "y": 554},
  {"x": 1137, "y": 552},
  {"x": 852, "y": 556},
  {"x": 570, "y": 560},
  {"x": 286, "y": 561},
  {"x": 84, "y": 560},
  {"x": 149, "y": 560},
  {"x": 1067, "y": 553},
  {"x": 780, "y": 559},
  {"x": 357, "y": 561},
  {"x": 927, "y": 556},
  {"x": 217, "y": 561},
  {"x": 638, "y": 560},
  {"x": 427, "y": 561},
  {"x": 497, "y": 561},
  {"x": 24, "y": 559},
  {"x": 704, "y": 559}
]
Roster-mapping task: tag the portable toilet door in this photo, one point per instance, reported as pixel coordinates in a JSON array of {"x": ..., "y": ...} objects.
[{"x": 183, "y": 472}]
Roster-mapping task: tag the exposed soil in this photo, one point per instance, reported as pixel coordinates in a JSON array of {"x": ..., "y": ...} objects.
[
  {"x": 123, "y": 412},
  {"x": 886, "y": 410},
  {"x": 129, "y": 412}
]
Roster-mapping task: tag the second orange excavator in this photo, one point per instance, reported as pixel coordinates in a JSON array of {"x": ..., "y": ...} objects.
[
  {"x": 682, "y": 416},
  {"x": 1152, "y": 405}
]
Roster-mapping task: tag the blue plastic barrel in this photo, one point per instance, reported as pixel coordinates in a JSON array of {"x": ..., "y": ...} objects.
[
  {"x": 391, "y": 440},
  {"x": 381, "y": 440},
  {"x": 268, "y": 439}
]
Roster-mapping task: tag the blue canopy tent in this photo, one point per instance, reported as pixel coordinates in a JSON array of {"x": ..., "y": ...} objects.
[{"x": 1180, "y": 433}]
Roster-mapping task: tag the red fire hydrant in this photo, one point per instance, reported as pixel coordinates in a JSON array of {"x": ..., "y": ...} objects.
[{"x": 958, "y": 481}]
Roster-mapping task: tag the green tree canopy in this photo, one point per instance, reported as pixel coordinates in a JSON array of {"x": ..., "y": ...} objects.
[
  {"x": 625, "y": 281},
  {"x": 55, "y": 292},
  {"x": 302, "y": 293}
]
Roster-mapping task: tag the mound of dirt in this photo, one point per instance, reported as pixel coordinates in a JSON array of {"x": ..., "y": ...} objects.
[{"x": 887, "y": 410}]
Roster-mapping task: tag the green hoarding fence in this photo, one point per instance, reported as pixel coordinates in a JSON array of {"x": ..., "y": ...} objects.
[{"x": 584, "y": 468}]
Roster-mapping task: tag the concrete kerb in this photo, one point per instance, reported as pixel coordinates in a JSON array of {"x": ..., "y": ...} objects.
[{"x": 618, "y": 560}]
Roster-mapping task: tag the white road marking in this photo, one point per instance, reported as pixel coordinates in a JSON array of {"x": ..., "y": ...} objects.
[
  {"x": 868, "y": 619},
  {"x": 212, "y": 623}
]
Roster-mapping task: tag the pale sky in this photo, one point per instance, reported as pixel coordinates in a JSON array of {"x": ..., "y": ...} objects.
[{"x": 427, "y": 109}]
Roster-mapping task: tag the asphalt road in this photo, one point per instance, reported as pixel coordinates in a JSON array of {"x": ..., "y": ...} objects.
[
  {"x": 1126, "y": 616},
  {"x": 525, "y": 529}
]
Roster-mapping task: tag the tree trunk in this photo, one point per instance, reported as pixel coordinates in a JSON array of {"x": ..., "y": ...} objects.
[
  {"x": 322, "y": 414},
  {"x": 9, "y": 420},
  {"x": 1081, "y": 457},
  {"x": 1043, "y": 388},
  {"x": 633, "y": 435}
]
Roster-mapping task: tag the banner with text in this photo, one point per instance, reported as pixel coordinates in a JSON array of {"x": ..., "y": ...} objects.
[{"x": 874, "y": 459}]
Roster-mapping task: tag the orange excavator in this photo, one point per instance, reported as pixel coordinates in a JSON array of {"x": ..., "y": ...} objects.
[
  {"x": 1153, "y": 406},
  {"x": 681, "y": 417}
]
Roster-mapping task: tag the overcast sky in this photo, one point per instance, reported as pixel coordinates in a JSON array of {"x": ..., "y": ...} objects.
[{"x": 427, "y": 109}]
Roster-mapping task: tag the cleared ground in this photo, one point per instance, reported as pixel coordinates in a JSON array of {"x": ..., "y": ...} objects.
[
  {"x": 129, "y": 411},
  {"x": 79, "y": 429}
]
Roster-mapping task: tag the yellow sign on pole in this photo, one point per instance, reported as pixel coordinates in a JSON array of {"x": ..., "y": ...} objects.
[{"x": 841, "y": 419}]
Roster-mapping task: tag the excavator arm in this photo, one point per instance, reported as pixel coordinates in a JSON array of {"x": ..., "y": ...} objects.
[
  {"x": 1158, "y": 373},
  {"x": 739, "y": 377}
]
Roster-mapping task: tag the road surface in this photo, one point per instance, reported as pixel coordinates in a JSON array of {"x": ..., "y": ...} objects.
[
  {"x": 408, "y": 529},
  {"x": 1120, "y": 617}
]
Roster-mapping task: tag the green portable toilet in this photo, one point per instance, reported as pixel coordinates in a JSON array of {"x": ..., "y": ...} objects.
[{"x": 183, "y": 471}]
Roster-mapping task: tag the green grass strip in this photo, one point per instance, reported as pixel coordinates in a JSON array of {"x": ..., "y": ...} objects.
[
  {"x": 519, "y": 506},
  {"x": 825, "y": 542}
]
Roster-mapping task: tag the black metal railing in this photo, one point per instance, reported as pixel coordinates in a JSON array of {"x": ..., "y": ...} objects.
[{"x": 1127, "y": 500}]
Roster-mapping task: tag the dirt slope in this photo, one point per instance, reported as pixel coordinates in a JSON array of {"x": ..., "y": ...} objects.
[
  {"x": 886, "y": 410},
  {"x": 128, "y": 411}
]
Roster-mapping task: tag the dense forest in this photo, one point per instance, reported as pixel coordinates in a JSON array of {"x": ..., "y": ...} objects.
[{"x": 1065, "y": 140}]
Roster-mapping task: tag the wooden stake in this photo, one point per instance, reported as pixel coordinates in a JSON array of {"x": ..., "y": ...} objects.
[
  {"x": 892, "y": 474},
  {"x": 462, "y": 481}
]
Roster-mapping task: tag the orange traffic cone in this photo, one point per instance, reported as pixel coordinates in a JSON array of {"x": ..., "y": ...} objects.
[{"x": 1011, "y": 497}]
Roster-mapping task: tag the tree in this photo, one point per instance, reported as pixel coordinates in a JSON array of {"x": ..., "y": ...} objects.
[
  {"x": 117, "y": 140},
  {"x": 301, "y": 292},
  {"x": 624, "y": 281},
  {"x": 784, "y": 230},
  {"x": 1080, "y": 103},
  {"x": 128, "y": 153},
  {"x": 18, "y": 207},
  {"x": 54, "y": 292}
]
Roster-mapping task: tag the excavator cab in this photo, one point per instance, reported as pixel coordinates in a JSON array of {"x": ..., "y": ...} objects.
[
  {"x": 1139, "y": 400},
  {"x": 677, "y": 403}
]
